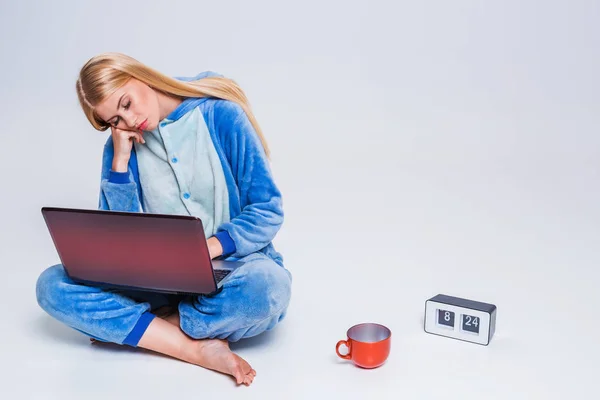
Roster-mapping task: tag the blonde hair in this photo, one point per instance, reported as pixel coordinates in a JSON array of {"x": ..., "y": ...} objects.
[{"x": 105, "y": 73}]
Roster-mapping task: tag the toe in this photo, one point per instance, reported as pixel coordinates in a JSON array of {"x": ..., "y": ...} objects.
[
  {"x": 246, "y": 367},
  {"x": 250, "y": 376},
  {"x": 239, "y": 376}
]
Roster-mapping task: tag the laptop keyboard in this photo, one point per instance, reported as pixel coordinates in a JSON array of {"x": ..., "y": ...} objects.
[{"x": 220, "y": 274}]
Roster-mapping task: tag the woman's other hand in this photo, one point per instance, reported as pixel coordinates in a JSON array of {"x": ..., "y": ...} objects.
[
  {"x": 214, "y": 247},
  {"x": 122, "y": 143}
]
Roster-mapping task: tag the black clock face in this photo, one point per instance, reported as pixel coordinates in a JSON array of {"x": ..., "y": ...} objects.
[
  {"x": 446, "y": 318},
  {"x": 470, "y": 323}
]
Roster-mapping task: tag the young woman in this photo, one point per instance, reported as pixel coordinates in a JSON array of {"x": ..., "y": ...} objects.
[{"x": 188, "y": 146}]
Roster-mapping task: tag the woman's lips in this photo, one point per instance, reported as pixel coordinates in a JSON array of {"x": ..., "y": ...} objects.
[{"x": 143, "y": 125}]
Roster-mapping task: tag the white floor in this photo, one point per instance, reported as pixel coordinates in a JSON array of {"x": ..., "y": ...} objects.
[
  {"x": 420, "y": 150},
  {"x": 545, "y": 344}
]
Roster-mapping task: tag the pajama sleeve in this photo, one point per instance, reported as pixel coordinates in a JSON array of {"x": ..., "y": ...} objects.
[
  {"x": 261, "y": 216},
  {"x": 118, "y": 191}
]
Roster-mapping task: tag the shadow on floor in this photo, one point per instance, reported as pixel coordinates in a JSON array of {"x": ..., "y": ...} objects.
[
  {"x": 261, "y": 340},
  {"x": 50, "y": 329}
]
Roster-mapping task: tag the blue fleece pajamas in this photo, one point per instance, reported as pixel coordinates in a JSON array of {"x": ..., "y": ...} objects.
[{"x": 253, "y": 299}]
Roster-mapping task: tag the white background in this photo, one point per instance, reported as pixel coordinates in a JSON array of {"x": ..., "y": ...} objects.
[{"x": 422, "y": 147}]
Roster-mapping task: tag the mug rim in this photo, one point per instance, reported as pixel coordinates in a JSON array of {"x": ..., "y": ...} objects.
[{"x": 386, "y": 329}]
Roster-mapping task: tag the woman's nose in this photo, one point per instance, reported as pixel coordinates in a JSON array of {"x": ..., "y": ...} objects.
[{"x": 130, "y": 121}]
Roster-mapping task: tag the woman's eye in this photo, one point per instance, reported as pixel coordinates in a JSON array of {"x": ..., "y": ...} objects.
[
  {"x": 116, "y": 121},
  {"x": 127, "y": 105}
]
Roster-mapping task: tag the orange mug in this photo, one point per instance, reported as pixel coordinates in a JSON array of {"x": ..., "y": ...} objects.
[{"x": 368, "y": 345}]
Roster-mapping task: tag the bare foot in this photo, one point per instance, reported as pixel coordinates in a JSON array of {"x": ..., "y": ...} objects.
[
  {"x": 215, "y": 354},
  {"x": 212, "y": 354}
]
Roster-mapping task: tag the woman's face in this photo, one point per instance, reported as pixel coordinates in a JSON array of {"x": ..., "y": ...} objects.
[{"x": 132, "y": 107}]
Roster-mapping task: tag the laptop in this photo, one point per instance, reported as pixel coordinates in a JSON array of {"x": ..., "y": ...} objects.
[{"x": 140, "y": 251}]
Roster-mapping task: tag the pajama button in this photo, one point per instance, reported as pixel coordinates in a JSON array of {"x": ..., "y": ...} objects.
[
  {"x": 174, "y": 159},
  {"x": 186, "y": 195}
]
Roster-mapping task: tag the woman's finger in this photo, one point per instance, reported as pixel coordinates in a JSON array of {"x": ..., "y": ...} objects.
[
  {"x": 135, "y": 136},
  {"x": 141, "y": 138}
]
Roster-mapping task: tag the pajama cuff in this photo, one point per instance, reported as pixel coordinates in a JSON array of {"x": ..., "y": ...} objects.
[
  {"x": 138, "y": 330},
  {"x": 118, "y": 177},
  {"x": 226, "y": 242}
]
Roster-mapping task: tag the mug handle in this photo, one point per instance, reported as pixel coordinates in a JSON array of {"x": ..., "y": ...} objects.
[{"x": 337, "y": 349}]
